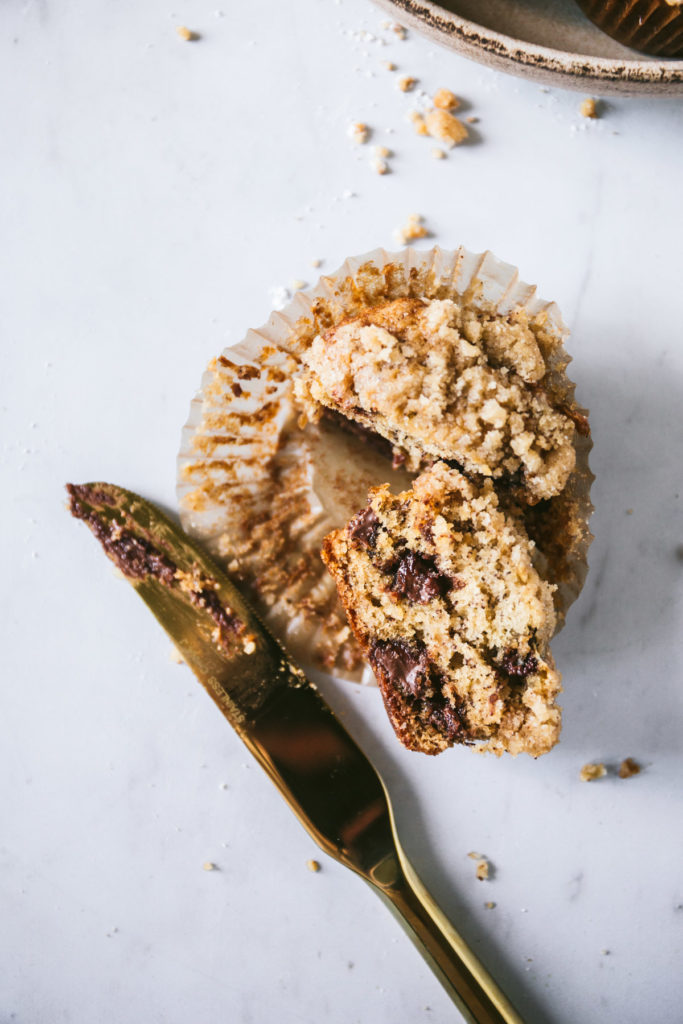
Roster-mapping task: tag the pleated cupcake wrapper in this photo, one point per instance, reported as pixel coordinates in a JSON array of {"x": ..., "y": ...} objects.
[{"x": 261, "y": 490}]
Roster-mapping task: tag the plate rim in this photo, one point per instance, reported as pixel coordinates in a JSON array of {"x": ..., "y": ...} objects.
[{"x": 535, "y": 59}]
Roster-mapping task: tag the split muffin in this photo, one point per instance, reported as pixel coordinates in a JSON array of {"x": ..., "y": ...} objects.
[
  {"x": 438, "y": 379},
  {"x": 441, "y": 592}
]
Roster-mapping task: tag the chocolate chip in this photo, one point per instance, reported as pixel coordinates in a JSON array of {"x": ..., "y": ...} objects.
[
  {"x": 518, "y": 665},
  {"x": 406, "y": 674},
  {"x": 363, "y": 529},
  {"x": 418, "y": 579},
  {"x": 404, "y": 665}
]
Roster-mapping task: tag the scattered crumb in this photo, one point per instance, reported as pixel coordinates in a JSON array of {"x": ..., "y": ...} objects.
[
  {"x": 298, "y": 284},
  {"x": 445, "y": 127},
  {"x": 438, "y": 154},
  {"x": 629, "y": 511},
  {"x": 175, "y": 656},
  {"x": 389, "y": 65},
  {"x": 589, "y": 108},
  {"x": 379, "y": 166},
  {"x": 187, "y": 34},
  {"x": 589, "y": 772},
  {"x": 316, "y": 262},
  {"x": 490, "y": 905},
  {"x": 358, "y": 132},
  {"x": 406, "y": 83},
  {"x": 313, "y": 865},
  {"x": 249, "y": 645},
  {"x": 208, "y": 865},
  {"x": 628, "y": 768},
  {"x": 472, "y": 119},
  {"x": 222, "y": 785},
  {"x": 399, "y": 30},
  {"x": 604, "y": 952},
  {"x": 418, "y": 122},
  {"x": 445, "y": 100},
  {"x": 382, "y": 152},
  {"x": 483, "y": 865},
  {"x": 411, "y": 230}
]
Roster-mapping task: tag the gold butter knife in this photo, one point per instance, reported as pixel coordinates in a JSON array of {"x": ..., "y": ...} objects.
[{"x": 326, "y": 779}]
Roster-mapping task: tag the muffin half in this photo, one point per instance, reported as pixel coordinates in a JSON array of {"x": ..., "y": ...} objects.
[
  {"x": 442, "y": 595},
  {"x": 445, "y": 380}
]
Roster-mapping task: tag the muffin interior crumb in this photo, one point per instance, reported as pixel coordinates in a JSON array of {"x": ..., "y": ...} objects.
[{"x": 442, "y": 595}]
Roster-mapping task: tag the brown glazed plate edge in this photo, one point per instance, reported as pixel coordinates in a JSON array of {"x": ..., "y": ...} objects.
[{"x": 599, "y": 75}]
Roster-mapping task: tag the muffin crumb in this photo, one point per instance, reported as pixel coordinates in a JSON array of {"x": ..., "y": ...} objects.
[
  {"x": 589, "y": 108},
  {"x": 482, "y": 870},
  {"x": 209, "y": 865},
  {"x": 187, "y": 34},
  {"x": 379, "y": 166},
  {"x": 490, "y": 905},
  {"x": 590, "y": 772},
  {"x": 406, "y": 83},
  {"x": 358, "y": 132},
  {"x": 313, "y": 865},
  {"x": 418, "y": 123},
  {"x": 445, "y": 127},
  {"x": 445, "y": 100},
  {"x": 398, "y": 30},
  {"x": 411, "y": 230},
  {"x": 382, "y": 152},
  {"x": 629, "y": 767},
  {"x": 438, "y": 154}
]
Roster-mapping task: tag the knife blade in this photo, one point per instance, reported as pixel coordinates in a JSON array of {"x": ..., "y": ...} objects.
[{"x": 280, "y": 715}]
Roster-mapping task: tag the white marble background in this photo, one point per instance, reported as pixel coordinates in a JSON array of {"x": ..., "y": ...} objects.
[{"x": 153, "y": 192}]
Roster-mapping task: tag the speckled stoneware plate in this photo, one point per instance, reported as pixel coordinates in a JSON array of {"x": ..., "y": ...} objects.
[{"x": 549, "y": 41}]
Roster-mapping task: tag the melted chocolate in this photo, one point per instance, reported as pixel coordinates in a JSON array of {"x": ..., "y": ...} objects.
[
  {"x": 138, "y": 558},
  {"x": 408, "y": 676},
  {"x": 418, "y": 579},
  {"x": 363, "y": 529},
  {"x": 516, "y": 665}
]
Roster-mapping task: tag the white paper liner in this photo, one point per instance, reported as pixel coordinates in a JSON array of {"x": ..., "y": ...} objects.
[{"x": 261, "y": 491}]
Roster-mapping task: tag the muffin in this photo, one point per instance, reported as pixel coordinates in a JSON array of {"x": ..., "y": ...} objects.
[
  {"x": 653, "y": 26},
  {"x": 440, "y": 379},
  {"x": 265, "y": 474},
  {"x": 443, "y": 597}
]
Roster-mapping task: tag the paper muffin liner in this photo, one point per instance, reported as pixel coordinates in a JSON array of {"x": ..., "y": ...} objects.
[
  {"x": 651, "y": 26},
  {"x": 261, "y": 490}
]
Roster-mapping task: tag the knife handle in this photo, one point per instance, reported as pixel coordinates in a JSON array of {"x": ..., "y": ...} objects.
[{"x": 466, "y": 980}]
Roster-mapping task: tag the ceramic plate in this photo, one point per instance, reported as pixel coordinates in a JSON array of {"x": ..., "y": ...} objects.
[{"x": 549, "y": 41}]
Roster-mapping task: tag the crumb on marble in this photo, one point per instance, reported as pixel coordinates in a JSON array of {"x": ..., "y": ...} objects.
[
  {"x": 313, "y": 865},
  {"x": 382, "y": 152},
  {"x": 589, "y": 108},
  {"x": 316, "y": 262},
  {"x": 379, "y": 166},
  {"x": 406, "y": 83},
  {"x": 590, "y": 772},
  {"x": 445, "y": 100},
  {"x": 490, "y": 905},
  {"x": 298, "y": 284},
  {"x": 187, "y": 34},
  {"x": 389, "y": 65},
  {"x": 411, "y": 230},
  {"x": 472, "y": 119},
  {"x": 175, "y": 656},
  {"x": 209, "y": 865},
  {"x": 483, "y": 869},
  {"x": 438, "y": 154},
  {"x": 358, "y": 132},
  {"x": 398, "y": 30},
  {"x": 418, "y": 122},
  {"x": 445, "y": 127},
  {"x": 628, "y": 768}
]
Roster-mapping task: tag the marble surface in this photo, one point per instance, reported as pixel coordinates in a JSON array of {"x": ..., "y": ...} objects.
[{"x": 154, "y": 192}]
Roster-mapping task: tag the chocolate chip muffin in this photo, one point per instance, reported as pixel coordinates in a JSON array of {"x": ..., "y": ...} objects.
[
  {"x": 441, "y": 592},
  {"x": 440, "y": 379}
]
